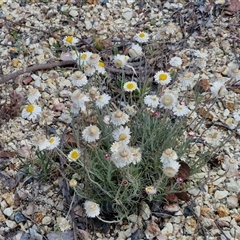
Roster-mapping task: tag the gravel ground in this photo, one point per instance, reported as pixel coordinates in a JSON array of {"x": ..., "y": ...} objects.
[{"x": 31, "y": 35}]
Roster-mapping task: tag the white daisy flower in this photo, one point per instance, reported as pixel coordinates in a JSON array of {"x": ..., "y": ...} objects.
[
  {"x": 74, "y": 55},
  {"x": 78, "y": 79},
  {"x": 230, "y": 164},
  {"x": 150, "y": 190},
  {"x": 102, "y": 100},
  {"x": 180, "y": 110},
  {"x": 135, "y": 51},
  {"x": 213, "y": 137},
  {"x": 170, "y": 169},
  {"x": 65, "y": 117},
  {"x": 31, "y": 112},
  {"x": 168, "y": 155},
  {"x": 89, "y": 70},
  {"x": 170, "y": 28},
  {"x": 74, "y": 155},
  {"x": 175, "y": 62},
  {"x": 83, "y": 58},
  {"x": 73, "y": 183},
  {"x": 236, "y": 115},
  {"x": 119, "y": 118},
  {"x": 130, "y": 86},
  {"x": 100, "y": 67},
  {"x": 201, "y": 63},
  {"x": 120, "y": 60},
  {"x": 187, "y": 79},
  {"x": 218, "y": 89},
  {"x": 122, "y": 157},
  {"x": 151, "y": 100},
  {"x": 130, "y": 110},
  {"x": 79, "y": 99},
  {"x": 91, "y": 133},
  {"x": 162, "y": 77},
  {"x": 93, "y": 93},
  {"x": 94, "y": 59},
  {"x": 42, "y": 143},
  {"x": 137, "y": 155},
  {"x": 122, "y": 134},
  {"x": 63, "y": 224},
  {"x": 201, "y": 54},
  {"x": 92, "y": 209},
  {"x": 168, "y": 100},
  {"x": 141, "y": 37},
  {"x": 116, "y": 146},
  {"x": 70, "y": 41},
  {"x": 33, "y": 95},
  {"x": 53, "y": 142}
]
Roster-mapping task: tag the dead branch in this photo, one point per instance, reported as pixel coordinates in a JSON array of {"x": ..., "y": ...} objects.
[{"x": 36, "y": 67}]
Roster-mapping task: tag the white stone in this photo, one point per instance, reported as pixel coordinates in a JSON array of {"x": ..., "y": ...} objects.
[
  {"x": 88, "y": 24},
  {"x": 145, "y": 211},
  {"x": 8, "y": 211},
  {"x": 168, "y": 229},
  {"x": 11, "y": 224},
  {"x": 73, "y": 13},
  {"x": 127, "y": 13},
  {"x": 220, "y": 194},
  {"x": 131, "y": 1},
  {"x": 46, "y": 220},
  {"x": 226, "y": 112},
  {"x": 218, "y": 181},
  {"x": 232, "y": 202}
]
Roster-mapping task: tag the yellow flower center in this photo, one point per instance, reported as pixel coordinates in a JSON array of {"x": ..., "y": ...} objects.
[
  {"x": 167, "y": 100},
  {"x": 130, "y": 86},
  {"x": 232, "y": 161},
  {"x": 118, "y": 63},
  {"x": 122, "y": 136},
  {"x": 154, "y": 99},
  {"x": 168, "y": 151},
  {"x": 30, "y": 108},
  {"x": 118, "y": 114},
  {"x": 180, "y": 108},
  {"x": 215, "y": 135},
  {"x": 93, "y": 130},
  {"x": 51, "y": 140},
  {"x": 124, "y": 154},
  {"x": 74, "y": 155},
  {"x": 101, "y": 64},
  {"x": 69, "y": 39},
  {"x": 141, "y": 35},
  {"x": 83, "y": 56},
  {"x": 162, "y": 76}
]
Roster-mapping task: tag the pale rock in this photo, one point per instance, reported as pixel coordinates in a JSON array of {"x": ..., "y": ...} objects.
[
  {"x": 145, "y": 211},
  {"x": 226, "y": 112},
  {"x": 218, "y": 181},
  {"x": 235, "y": 231},
  {"x": 194, "y": 192},
  {"x": 8, "y": 211},
  {"x": 232, "y": 202},
  {"x": 190, "y": 225},
  {"x": 130, "y": 1},
  {"x": 197, "y": 211},
  {"x": 65, "y": 93},
  {"x": 127, "y": 13},
  {"x": 152, "y": 230},
  {"x": 121, "y": 236},
  {"x": 3, "y": 204},
  {"x": 220, "y": 1},
  {"x": 161, "y": 237},
  {"x": 10, "y": 224},
  {"x": 73, "y": 13},
  {"x": 167, "y": 230},
  {"x": 9, "y": 198},
  {"x": 233, "y": 185},
  {"x": 46, "y": 220},
  {"x": 198, "y": 175},
  {"x": 128, "y": 232},
  {"x": 220, "y": 194},
  {"x": 133, "y": 218},
  {"x": 226, "y": 235},
  {"x": 35, "y": 234},
  {"x": 171, "y": 207},
  {"x": 207, "y": 222},
  {"x": 88, "y": 24},
  {"x": 23, "y": 194}
]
